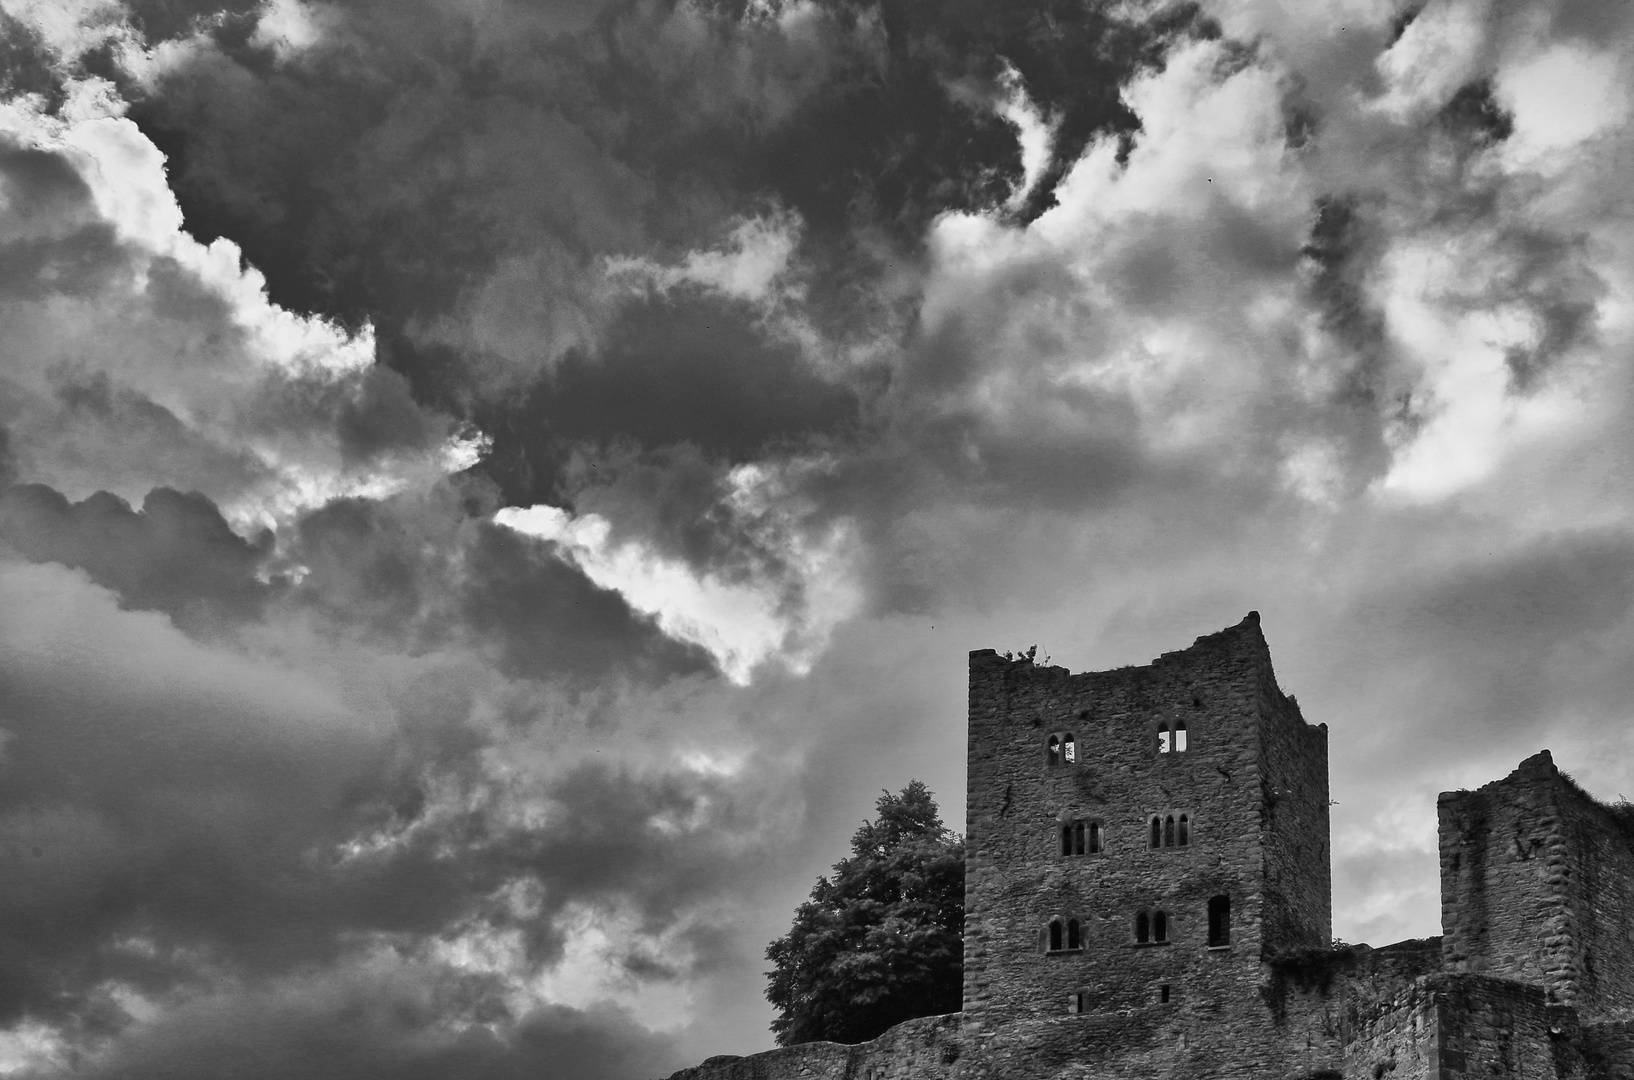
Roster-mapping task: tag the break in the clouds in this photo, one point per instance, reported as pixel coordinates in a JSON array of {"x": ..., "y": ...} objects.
[{"x": 493, "y": 491}]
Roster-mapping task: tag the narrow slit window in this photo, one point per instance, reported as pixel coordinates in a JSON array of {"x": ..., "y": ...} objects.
[
  {"x": 1179, "y": 738},
  {"x": 1168, "y": 831},
  {"x": 1078, "y": 838},
  {"x": 1163, "y": 740},
  {"x": 1074, "y": 936},
  {"x": 1076, "y": 1002},
  {"x": 1160, "y": 926},
  {"x": 1157, "y": 832},
  {"x": 1055, "y": 935},
  {"x": 1219, "y": 920},
  {"x": 1066, "y": 839},
  {"x": 1053, "y": 750},
  {"x": 1184, "y": 835},
  {"x": 1163, "y": 993},
  {"x": 1069, "y": 749},
  {"x": 1143, "y": 928},
  {"x": 1095, "y": 838}
]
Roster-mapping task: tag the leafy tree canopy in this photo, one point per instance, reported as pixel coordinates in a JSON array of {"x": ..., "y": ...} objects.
[{"x": 882, "y": 938}]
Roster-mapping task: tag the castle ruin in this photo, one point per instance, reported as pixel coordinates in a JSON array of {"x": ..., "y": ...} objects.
[{"x": 1148, "y": 894}]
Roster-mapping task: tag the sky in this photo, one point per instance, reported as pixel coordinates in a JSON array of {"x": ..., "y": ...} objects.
[{"x": 492, "y": 491}]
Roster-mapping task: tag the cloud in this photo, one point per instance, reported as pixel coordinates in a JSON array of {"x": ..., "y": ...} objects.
[
  {"x": 381, "y": 1015},
  {"x": 137, "y": 357},
  {"x": 610, "y": 132},
  {"x": 176, "y": 554},
  {"x": 756, "y": 256},
  {"x": 816, "y": 344},
  {"x": 787, "y": 613},
  {"x": 146, "y": 779},
  {"x": 439, "y": 813}
]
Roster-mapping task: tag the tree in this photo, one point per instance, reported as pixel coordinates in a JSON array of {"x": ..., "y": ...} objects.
[{"x": 882, "y": 939}]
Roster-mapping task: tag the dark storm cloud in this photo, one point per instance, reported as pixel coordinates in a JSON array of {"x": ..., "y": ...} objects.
[
  {"x": 118, "y": 431},
  {"x": 1543, "y": 595},
  {"x": 146, "y": 793},
  {"x": 384, "y": 1019},
  {"x": 1523, "y": 639},
  {"x": 176, "y": 554},
  {"x": 423, "y": 573},
  {"x": 546, "y": 618},
  {"x": 25, "y": 62},
  {"x": 133, "y": 358},
  {"x": 55, "y": 244},
  {"x": 696, "y": 372},
  {"x": 170, "y": 20},
  {"x": 193, "y": 825},
  {"x": 459, "y": 186}
]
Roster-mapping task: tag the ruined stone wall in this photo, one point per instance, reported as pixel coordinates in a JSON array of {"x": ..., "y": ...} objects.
[
  {"x": 1392, "y": 1035},
  {"x": 1321, "y": 998},
  {"x": 1600, "y": 900},
  {"x": 1608, "y": 1050},
  {"x": 1449, "y": 1027},
  {"x": 924, "y": 1049},
  {"x": 1354, "y": 1014},
  {"x": 1308, "y": 1022},
  {"x": 1017, "y": 879},
  {"x": 1145, "y": 1042},
  {"x": 1294, "y": 772},
  {"x": 1537, "y": 885},
  {"x": 1496, "y": 1027},
  {"x": 1503, "y": 860}
]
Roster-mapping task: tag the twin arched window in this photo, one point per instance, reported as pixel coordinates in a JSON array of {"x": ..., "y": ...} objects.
[
  {"x": 1065, "y": 934},
  {"x": 1151, "y": 927},
  {"x": 1171, "y": 736},
  {"x": 1061, "y": 748},
  {"x": 1081, "y": 838}
]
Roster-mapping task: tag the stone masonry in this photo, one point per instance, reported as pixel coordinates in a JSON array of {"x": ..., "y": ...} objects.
[{"x": 1148, "y": 895}]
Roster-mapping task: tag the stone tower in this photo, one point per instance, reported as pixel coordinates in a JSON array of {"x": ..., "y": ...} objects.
[
  {"x": 1141, "y": 840},
  {"x": 1537, "y": 887},
  {"x": 1147, "y": 894}
]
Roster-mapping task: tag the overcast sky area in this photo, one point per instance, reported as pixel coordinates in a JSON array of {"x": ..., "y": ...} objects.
[{"x": 492, "y": 490}]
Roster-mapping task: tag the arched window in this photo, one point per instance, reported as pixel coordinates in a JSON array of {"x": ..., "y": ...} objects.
[
  {"x": 1219, "y": 920},
  {"x": 1053, "y": 750},
  {"x": 1168, "y": 831},
  {"x": 1074, "y": 938},
  {"x": 1185, "y": 830},
  {"x": 1157, "y": 832},
  {"x": 1080, "y": 837},
  {"x": 1143, "y": 928},
  {"x": 1171, "y": 736},
  {"x": 1055, "y": 935},
  {"x": 1160, "y": 926},
  {"x": 1069, "y": 748}
]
